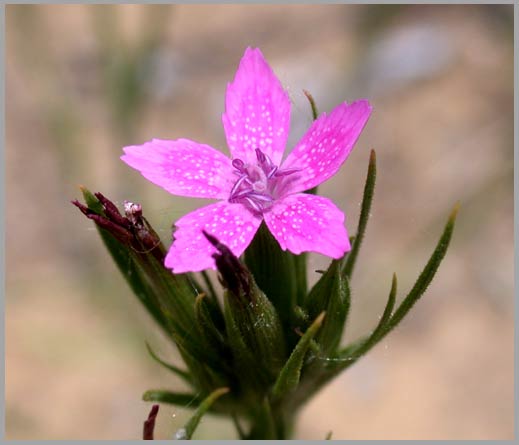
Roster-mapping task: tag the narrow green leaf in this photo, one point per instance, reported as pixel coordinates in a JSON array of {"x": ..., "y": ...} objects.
[
  {"x": 358, "y": 348},
  {"x": 427, "y": 274},
  {"x": 182, "y": 374},
  {"x": 369, "y": 189},
  {"x": 315, "y": 115},
  {"x": 386, "y": 315},
  {"x": 289, "y": 376},
  {"x": 330, "y": 334},
  {"x": 349, "y": 355},
  {"x": 205, "y": 405},
  {"x": 387, "y": 322},
  {"x": 331, "y": 293},
  {"x": 185, "y": 400}
]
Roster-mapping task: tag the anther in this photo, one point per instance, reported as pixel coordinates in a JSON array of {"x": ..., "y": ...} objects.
[
  {"x": 239, "y": 165},
  {"x": 261, "y": 156}
]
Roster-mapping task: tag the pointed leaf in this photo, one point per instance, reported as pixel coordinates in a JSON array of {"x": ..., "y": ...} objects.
[
  {"x": 289, "y": 376},
  {"x": 332, "y": 294},
  {"x": 330, "y": 334},
  {"x": 388, "y": 310},
  {"x": 205, "y": 405},
  {"x": 349, "y": 355},
  {"x": 388, "y": 323},
  {"x": 182, "y": 374},
  {"x": 315, "y": 115},
  {"x": 427, "y": 274},
  {"x": 369, "y": 189},
  {"x": 358, "y": 348}
]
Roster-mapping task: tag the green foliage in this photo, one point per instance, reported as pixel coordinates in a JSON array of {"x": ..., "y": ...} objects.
[{"x": 270, "y": 344}]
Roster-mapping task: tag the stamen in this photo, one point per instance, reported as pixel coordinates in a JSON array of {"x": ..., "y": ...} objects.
[
  {"x": 261, "y": 156},
  {"x": 241, "y": 194},
  {"x": 254, "y": 205},
  {"x": 260, "y": 197},
  {"x": 257, "y": 184},
  {"x": 287, "y": 172},
  {"x": 239, "y": 182},
  {"x": 239, "y": 165},
  {"x": 272, "y": 172}
]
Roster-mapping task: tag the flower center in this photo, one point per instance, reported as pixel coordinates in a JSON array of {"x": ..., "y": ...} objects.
[{"x": 259, "y": 184}]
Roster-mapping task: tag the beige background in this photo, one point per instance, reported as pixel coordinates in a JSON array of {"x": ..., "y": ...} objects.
[{"x": 82, "y": 81}]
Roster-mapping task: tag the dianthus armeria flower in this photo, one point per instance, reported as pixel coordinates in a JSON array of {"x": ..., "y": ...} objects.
[{"x": 255, "y": 185}]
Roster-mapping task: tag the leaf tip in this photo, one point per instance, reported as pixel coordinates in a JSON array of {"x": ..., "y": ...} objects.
[
  {"x": 221, "y": 391},
  {"x": 200, "y": 297},
  {"x": 454, "y": 213},
  {"x": 394, "y": 281},
  {"x": 319, "y": 320}
]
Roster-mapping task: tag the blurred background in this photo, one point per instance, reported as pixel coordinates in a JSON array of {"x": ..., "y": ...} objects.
[{"x": 84, "y": 80}]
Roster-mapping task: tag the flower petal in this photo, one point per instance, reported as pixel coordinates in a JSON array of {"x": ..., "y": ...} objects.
[
  {"x": 183, "y": 167},
  {"x": 257, "y": 110},
  {"x": 326, "y": 145},
  {"x": 233, "y": 224},
  {"x": 304, "y": 222}
]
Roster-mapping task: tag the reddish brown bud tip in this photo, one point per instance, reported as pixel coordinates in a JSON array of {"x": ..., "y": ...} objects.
[
  {"x": 234, "y": 274},
  {"x": 149, "y": 424}
]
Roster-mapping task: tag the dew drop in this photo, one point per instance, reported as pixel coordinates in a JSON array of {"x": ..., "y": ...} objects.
[{"x": 181, "y": 434}]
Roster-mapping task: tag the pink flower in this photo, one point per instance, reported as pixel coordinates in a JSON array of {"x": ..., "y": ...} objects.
[{"x": 256, "y": 184}]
